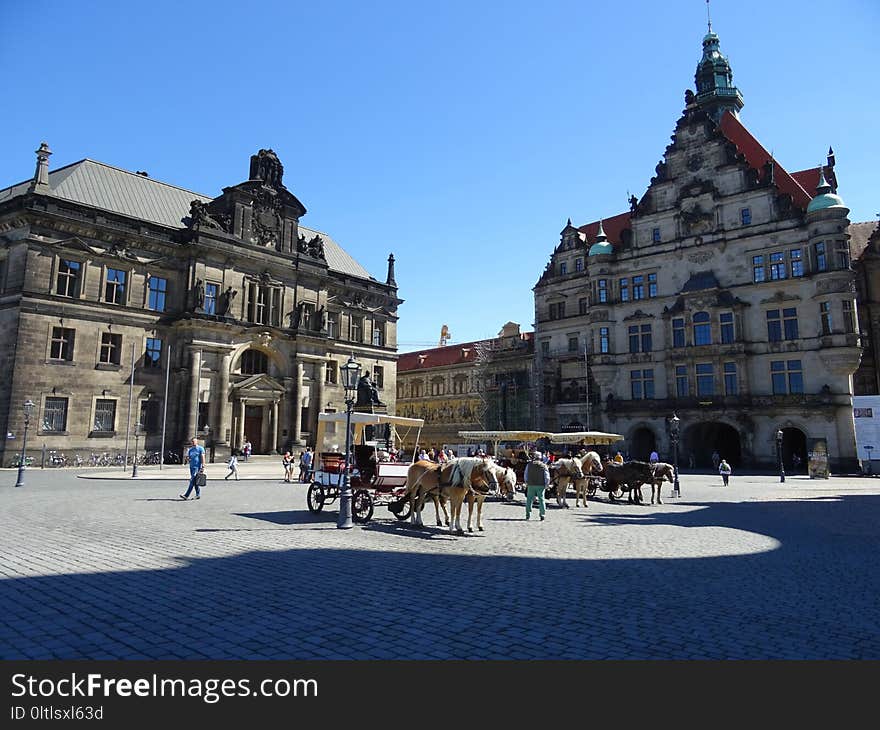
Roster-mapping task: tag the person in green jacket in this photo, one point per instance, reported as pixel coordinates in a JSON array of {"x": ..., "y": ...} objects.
[{"x": 537, "y": 478}]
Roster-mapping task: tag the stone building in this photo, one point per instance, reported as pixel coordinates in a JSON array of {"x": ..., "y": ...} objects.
[
  {"x": 865, "y": 247},
  {"x": 483, "y": 385},
  {"x": 724, "y": 295},
  {"x": 101, "y": 267}
]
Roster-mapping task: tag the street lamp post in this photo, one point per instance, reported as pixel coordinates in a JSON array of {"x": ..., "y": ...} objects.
[
  {"x": 674, "y": 425},
  {"x": 779, "y": 436},
  {"x": 868, "y": 470},
  {"x": 134, "y": 461},
  {"x": 351, "y": 373},
  {"x": 28, "y": 412}
]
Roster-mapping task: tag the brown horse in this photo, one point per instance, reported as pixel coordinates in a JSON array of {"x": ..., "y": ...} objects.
[
  {"x": 453, "y": 481},
  {"x": 590, "y": 464}
]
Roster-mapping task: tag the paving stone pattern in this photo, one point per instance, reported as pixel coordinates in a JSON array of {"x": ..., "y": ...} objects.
[{"x": 104, "y": 569}]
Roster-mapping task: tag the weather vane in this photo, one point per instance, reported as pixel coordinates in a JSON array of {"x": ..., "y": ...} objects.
[{"x": 709, "y": 16}]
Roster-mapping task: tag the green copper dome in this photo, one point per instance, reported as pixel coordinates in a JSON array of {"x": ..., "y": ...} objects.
[
  {"x": 825, "y": 200},
  {"x": 601, "y": 246}
]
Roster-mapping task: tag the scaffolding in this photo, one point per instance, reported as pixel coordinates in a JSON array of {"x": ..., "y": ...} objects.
[{"x": 482, "y": 360}]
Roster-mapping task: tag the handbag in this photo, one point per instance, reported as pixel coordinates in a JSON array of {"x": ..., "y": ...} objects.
[{"x": 201, "y": 479}]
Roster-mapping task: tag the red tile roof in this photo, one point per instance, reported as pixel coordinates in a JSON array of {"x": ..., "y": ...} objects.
[
  {"x": 614, "y": 227},
  {"x": 756, "y": 156},
  {"x": 809, "y": 179},
  {"x": 457, "y": 354}
]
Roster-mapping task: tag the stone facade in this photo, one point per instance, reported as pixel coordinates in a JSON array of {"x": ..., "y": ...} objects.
[
  {"x": 469, "y": 387},
  {"x": 101, "y": 267},
  {"x": 724, "y": 295}
]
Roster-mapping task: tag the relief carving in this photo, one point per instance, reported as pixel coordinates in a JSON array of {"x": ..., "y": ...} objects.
[{"x": 701, "y": 257}]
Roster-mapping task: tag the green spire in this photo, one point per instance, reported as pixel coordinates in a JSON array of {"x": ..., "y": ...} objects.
[{"x": 714, "y": 79}]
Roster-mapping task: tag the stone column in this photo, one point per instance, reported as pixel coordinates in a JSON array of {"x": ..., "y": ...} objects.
[
  {"x": 225, "y": 410},
  {"x": 297, "y": 403},
  {"x": 240, "y": 437},
  {"x": 316, "y": 403},
  {"x": 194, "y": 374},
  {"x": 273, "y": 433}
]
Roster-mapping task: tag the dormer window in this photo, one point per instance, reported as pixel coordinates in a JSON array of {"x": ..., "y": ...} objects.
[
  {"x": 746, "y": 216},
  {"x": 655, "y": 235},
  {"x": 563, "y": 268},
  {"x": 578, "y": 264}
]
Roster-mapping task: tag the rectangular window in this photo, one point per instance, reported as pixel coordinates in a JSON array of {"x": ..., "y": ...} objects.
[
  {"x": 157, "y": 289},
  {"x": 774, "y": 326},
  {"x": 379, "y": 376},
  {"x": 212, "y": 292},
  {"x": 114, "y": 289},
  {"x": 849, "y": 316},
  {"x": 790, "y": 323},
  {"x": 797, "y": 262},
  {"x": 153, "y": 353},
  {"x": 55, "y": 414},
  {"x": 726, "y": 327},
  {"x": 678, "y": 332},
  {"x": 624, "y": 290},
  {"x": 603, "y": 290},
  {"x": 825, "y": 317},
  {"x": 821, "y": 257},
  {"x": 105, "y": 415},
  {"x": 705, "y": 379},
  {"x": 149, "y": 422},
  {"x": 757, "y": 269},
  {"x": 730, "y": 385},
  {"x": 633, "y": 332},
  {"x": 61, "y": 346},
  {"x": 378, "y": 334},
  {"x": 578, "y": 264},
  {"x": 655, "y": 235},
  {"x": 702, "y": 329},
  {"x": 583, "y": 305},
  {"x": 604, "y": 340},
  {"x": 777, "y": 266},
  {"x": 647, "y": 344},
  {"x": 841, "y": 255},
  {"x": 67, "y": 284},
  {"x": 641, "y": 384},
  {"x": 563, "y": 268},
  {"x": 572, "y": 344},
  {"x": 787, "y": 377},
  {"x": 638, "y": 287},
  {"x": 332, "y": 325},
  {"x": 330, "y": 371},
  {"x": 545, "y": 348},
  {"x": 746, "y": 216},
  {"x": 652, "y": 285},
  {"x": 204, "y": 411},
  {"x": 681, "y": 381},
  {"x": 357, "y": 329},
  {"x": 261, "y": 305},
  {"x": 111, "y": 348}
]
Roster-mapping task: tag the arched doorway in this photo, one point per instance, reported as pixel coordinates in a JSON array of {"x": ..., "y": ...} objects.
[
  {"x": 794, "y": 443},
  {"x": 703, "y": 439},
  {"x": 642, "y": 443}
]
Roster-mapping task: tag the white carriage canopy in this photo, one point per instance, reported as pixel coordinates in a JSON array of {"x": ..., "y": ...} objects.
[{"x": 331, "y": 428}]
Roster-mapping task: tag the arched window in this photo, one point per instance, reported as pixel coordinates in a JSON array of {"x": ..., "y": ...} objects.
[
  {"x": 702, "y": 329},
  {"x": 254, "y": 362}
]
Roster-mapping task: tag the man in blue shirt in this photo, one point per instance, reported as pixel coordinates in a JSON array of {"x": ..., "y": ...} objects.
[{"x": 196, "y": 457}]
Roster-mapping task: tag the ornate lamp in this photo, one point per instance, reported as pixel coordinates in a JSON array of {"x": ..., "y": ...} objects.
[
  {"x": 28, "y": 408},
  {"x": 351, "y": 373},
  {"x": 674, "y": 431}
]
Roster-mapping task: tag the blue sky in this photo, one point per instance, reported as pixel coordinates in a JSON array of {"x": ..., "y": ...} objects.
[{"x": 458, "y": 135}]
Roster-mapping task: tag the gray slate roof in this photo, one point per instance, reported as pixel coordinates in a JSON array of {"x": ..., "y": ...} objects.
[{"x": 109, "y": 188}]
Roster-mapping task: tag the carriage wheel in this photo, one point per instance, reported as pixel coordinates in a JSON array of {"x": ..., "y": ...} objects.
[
  {"x": 315, "y": 497},
  {"x": 405, "y": 512},
  {"x": 361, "y": 506}
]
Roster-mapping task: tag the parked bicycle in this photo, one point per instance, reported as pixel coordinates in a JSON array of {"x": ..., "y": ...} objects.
[
  {"x": 56, "y": 458},
  {"x": 16, "y": 460}
]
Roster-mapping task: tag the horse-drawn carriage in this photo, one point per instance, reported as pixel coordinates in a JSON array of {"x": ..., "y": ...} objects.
[
  {"x": 373, "y": 477},
  {"x": 586, "y": 440}
]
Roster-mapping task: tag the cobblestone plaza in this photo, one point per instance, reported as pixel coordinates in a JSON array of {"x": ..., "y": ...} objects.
[{"x": 122, "y": 569}]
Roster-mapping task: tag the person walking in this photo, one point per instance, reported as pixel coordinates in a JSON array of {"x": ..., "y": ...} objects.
[
  {"x": 232, "y": 464},
  {"x": 196, "y": 457},
  {"x": 287, "y": 463},
  {"x": 724, "y": 470},
  {"x": 246, "y": 449},
  {"x": 537, "y": 478},
  {"x": 305, "y": 464}
]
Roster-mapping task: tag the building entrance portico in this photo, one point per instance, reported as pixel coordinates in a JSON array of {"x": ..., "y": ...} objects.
[{"x": 255, "y": 406}]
